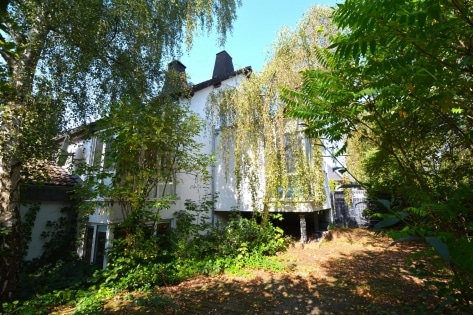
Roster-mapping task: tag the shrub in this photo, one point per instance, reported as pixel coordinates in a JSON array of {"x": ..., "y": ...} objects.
[
  {"x": 41, "y": 279},
  {"x": 231, "y": 246}
]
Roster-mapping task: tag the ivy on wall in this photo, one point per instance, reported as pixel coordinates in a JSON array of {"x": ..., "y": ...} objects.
[
  {"x": 27, "y": 225},
  {"x": 61, "y": 236}
]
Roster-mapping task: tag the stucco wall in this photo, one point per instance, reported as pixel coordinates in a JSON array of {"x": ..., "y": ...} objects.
[{"x": 49, "y": 211}]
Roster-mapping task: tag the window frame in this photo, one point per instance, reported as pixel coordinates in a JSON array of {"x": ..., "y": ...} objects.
[{"x": 95, "y": 245}]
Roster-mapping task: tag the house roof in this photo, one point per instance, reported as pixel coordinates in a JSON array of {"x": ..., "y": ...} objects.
[
  {"x": 217, "y": 80},
  {"x": 46, "y": 173},
  {"x": 333, "y": 175},
  {"x": 223, "y": 70}
]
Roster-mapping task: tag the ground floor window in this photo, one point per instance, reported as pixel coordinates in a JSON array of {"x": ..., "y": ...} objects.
[
  {"x": 95, "y": 244},
  {"x": 98, "y": 236},
  {"x": 163, "y": 227}
]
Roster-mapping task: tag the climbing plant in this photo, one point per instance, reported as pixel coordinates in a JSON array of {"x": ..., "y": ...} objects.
[{"x": 27, "y": 225}]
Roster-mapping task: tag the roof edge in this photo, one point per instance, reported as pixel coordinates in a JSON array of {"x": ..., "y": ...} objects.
[{"x": 217, "y": 80}]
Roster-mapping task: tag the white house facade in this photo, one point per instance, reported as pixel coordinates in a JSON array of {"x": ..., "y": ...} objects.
[{"x": 99, "y": 230}]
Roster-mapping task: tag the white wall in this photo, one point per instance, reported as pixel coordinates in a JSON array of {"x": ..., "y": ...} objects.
[
  {"x": 187, "y": 187},
  {"x": 49, "y": 211},
  {"x": 225, "y": 187}
]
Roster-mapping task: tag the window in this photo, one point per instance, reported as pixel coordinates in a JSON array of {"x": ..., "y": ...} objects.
[
  {"x": 162, "y": 189},
  {"x": 107, "y": 162},
  {"x": 97, "y": 151},
  {"x": 298, "y": 155},
  {"x": 163, "y": 227},
  {"x": 100, "y": 154},
  {"x": 95, "y": 241}
]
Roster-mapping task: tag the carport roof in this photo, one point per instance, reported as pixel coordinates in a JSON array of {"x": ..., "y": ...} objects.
[{"x": 46, "y": 173}]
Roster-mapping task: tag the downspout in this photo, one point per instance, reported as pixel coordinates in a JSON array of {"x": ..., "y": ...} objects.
[
  {"x": 213, "y": 174},
  {"x": 329, "y": 193}
]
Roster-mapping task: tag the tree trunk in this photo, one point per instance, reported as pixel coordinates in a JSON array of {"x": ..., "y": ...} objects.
[
  {"x": 303, "y": 226},
  {"x": 10, "y": 231},
  {"x": 22, "y": 69}
]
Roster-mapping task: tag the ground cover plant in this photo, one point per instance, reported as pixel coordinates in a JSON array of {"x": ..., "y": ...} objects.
[
  {"x": 141, "y": 261},
  {"x": 351, "y": 271}
]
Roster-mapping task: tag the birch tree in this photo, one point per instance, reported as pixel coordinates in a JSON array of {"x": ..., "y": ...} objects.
[
  {"x": 273, "y": 161},
  {"x": 63, "y": 60}
]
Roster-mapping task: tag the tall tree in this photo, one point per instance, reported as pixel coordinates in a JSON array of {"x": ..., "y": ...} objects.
[
  {"x": 65, "y": 59},
  {"x": 147, "y": 146},
  {"x": 398, "y": 77},
  {"x": 273, "y": 161}
]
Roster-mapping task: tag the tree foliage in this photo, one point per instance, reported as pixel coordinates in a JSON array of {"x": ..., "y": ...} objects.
[
  {"x": 63, "y": 60},
  {"x": 147, "y": 145},
  {"x": 398, "y": 78},
  {"x": 272, "y": 159}
]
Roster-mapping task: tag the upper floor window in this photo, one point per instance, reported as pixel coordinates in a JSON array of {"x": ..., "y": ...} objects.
[
  {"x": 297, "y": 156},
  {"x": 100, "y": 154},
  {"x": 162, "y": 189},
  {"x": 96, "y": 152}
]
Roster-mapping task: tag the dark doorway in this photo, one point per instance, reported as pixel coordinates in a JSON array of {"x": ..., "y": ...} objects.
[{"x": 316, "y": 223}]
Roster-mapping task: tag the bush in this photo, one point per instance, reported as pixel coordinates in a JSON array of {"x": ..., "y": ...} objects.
[
  {"x": 140, "y": 260},
  {"x": 41, "y": 279},
  {"x": 231, "y": 246},
  {"x": 137, "y": 260}
]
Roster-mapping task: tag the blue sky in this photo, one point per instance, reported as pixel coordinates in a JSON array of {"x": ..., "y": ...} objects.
[{"x": 257, "y": 25}]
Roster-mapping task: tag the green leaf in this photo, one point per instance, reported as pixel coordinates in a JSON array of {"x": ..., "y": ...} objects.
[
  {"x": 356, "y": 48},
  {"x": 385, "y": 203},
  {"x": 402, "y": 19},
  {"x": 434, "y": 10},
  {"x": 346, "y": 51},
  {"x": 421, "y": 18},
  {"x": 402, "y": 215},
  {"x": 367, "y": 92},
  {"x": 386, "y": 223},
  {"x": 373, "y": 47},
  {"x": 364, "y": 48},
  {"x": 440, "y": 247},
  {"x": 411, "y": 20},
  {"x": 5, "y": 231}
]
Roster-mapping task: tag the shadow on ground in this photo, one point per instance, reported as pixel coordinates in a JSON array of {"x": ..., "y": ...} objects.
[{"x": 364, "y": 282}]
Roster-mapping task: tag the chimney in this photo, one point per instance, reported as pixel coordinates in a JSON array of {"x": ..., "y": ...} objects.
[
  {"x": 176, "y": 65},
  {"x": 223, "y": 65},
  {"x": 175, "y": 81}
]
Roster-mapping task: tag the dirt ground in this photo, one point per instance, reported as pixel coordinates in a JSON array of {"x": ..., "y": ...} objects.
[{"x": 349, "y": 272}]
